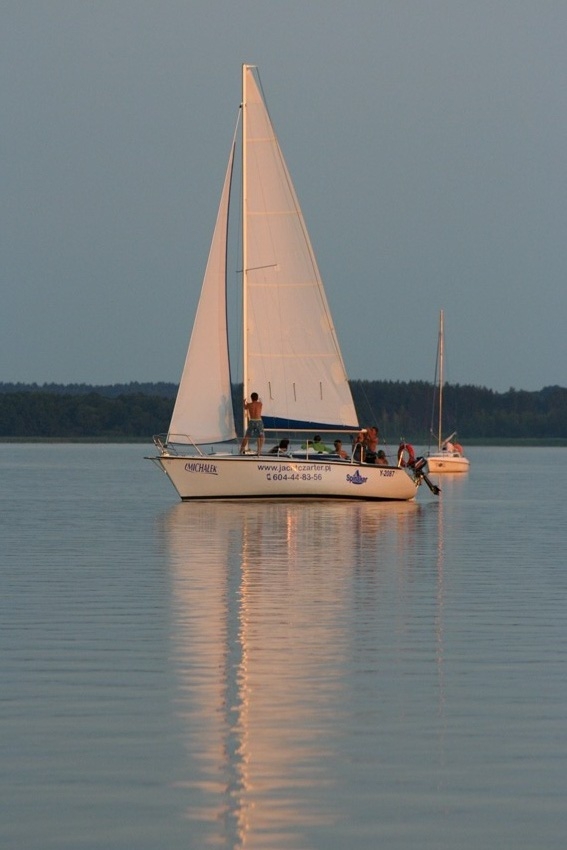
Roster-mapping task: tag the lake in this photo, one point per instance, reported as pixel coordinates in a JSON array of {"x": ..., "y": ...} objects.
[{"x": 281, "y": 676}]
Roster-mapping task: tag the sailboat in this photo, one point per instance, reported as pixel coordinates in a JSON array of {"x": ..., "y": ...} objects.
[
  {"x": 290, "y": 353},
  {"x": 449, "y": 456}
]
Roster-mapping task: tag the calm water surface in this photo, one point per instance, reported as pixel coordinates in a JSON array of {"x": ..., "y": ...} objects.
[{"x": 281, "y": 676}]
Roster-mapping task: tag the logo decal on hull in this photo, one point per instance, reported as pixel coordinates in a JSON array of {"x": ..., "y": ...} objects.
[
  {"x": 357, "y": 478},
  {"x": 200, "y": 466}
]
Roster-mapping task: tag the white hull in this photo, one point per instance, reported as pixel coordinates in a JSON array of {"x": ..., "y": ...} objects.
[
  {"x": 447, "y": 462},
  {"x": 249, "y": 477}
]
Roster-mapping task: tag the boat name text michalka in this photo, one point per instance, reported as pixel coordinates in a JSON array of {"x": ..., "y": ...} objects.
[{"x": 199, "y": 466}]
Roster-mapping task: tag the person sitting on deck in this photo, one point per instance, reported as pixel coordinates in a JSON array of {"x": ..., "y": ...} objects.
[
  {"x": 315, "y": 445},
  {"x": 282, "y": 448},
  {"x": 371, "y": 444},
  {"x": 318, "y": 445},
  {"x": 338, "y": 444}
]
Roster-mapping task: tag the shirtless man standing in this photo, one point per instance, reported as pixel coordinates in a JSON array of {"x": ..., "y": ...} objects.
[{"x": 255, "y": 425}]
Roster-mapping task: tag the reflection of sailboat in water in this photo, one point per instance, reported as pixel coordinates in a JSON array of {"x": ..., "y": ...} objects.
[{"x": 260, "y": 677}]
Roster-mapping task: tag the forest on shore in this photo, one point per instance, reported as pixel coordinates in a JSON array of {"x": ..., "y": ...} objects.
[{"x": 136, "y": 411}]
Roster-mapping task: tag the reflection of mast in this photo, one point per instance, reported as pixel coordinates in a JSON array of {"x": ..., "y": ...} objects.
[
  {"x": 439, "y": 630},
  {"x": 235, "y": 697},
  {"x": 204, "y": 559},
  {"x": 440, "y": 604}
]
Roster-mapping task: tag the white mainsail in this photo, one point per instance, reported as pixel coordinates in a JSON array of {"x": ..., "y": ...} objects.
[
  {"x": 203, "y": 410},
  {"x": 292, "y": 356}
]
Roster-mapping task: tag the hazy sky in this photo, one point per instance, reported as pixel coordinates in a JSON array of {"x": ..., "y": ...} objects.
[{"x": 427, "y": 141}]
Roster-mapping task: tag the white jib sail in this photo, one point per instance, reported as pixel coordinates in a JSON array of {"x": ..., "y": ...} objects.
[{"x": 203, "y": 409}]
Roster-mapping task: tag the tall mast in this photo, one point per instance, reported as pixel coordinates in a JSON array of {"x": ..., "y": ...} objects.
[
  {"x": 244, "y": 243},
  {"x": 441, "y": 378}
]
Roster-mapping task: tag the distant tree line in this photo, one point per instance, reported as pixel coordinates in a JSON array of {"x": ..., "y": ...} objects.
[
  {"x": 400, "y": 409},
  {"x": 160, "y": 389},
  {"x": 409, "y": 410},
  {"x": 54, "y": 416}
]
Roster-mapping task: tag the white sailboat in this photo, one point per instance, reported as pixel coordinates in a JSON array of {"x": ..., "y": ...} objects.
[
  {"x": 449, "y": 455},
  {"x": 290, "y": 352}
]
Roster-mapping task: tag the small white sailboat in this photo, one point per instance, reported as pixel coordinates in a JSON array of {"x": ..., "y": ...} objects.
[
  {"x": 290, "y": 353},
  {"x": 449, "y": 455}
]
